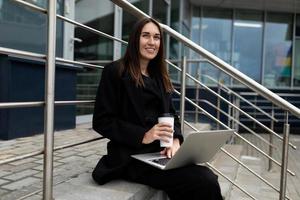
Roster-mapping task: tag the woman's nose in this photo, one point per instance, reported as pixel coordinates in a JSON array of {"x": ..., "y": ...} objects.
[{"x": 151, "y": 40}]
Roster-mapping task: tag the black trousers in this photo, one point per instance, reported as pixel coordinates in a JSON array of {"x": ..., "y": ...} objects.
[{"x": 192, "y": 182}]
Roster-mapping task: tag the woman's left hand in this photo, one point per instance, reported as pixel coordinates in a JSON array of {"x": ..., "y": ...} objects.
[{"x": 170, "y": 151}]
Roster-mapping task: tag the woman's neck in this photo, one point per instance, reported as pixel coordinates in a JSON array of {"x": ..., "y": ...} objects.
[{"x": 144, "y": 67}]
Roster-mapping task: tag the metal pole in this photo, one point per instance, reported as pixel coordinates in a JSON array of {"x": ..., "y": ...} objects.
[
  {"x": 49, "y": 103},
  {"x": 255, "y": 103},
  {"x": 182, "y": 96},
  {"x": 235, "y": 133},
  {"x": 229, "y": 111},
  {"x": 218, "y": 105},
  {"x": 284, "y": 159},
  {"x": 197, "y": 96},
  {"x": 237, "y": 114},
  {"x": 271, "y": 140}
]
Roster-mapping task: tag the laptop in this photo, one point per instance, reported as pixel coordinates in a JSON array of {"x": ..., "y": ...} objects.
[{"x": 197, "y": 148}]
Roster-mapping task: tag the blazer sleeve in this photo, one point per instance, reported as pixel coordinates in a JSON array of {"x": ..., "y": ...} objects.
[
  {"x": 106, "y": 120},
  {"x": 177, "y": 125}
]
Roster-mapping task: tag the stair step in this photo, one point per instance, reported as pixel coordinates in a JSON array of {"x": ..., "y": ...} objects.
[
  {"x": 227, "y": 166},
  {"x": 247, "y": 180},
  {"x": 199, "y": 126},
  {"x": 84, "y": 188}
]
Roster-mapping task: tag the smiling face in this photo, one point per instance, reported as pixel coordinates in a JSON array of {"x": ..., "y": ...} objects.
[{"x": 149, "y": 42}]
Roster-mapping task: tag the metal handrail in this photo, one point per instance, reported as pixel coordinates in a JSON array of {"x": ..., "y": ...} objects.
[
  {"x": 253, "y": 172},
  {"x": 28, "y": 54},
  {"x": 227, "y": 88},
  {"x": 231, "y": 104},
  {"x": 240, "y": 123},
  {"x": 230, "y": 91},
  {"x": 42, "y": 10},
  {"x": 40, "y": 103},
  {"x": 280, "y": 94},
  {"x": 235, "y": 133},
  {"x": 225, "y": 67},
  {"x": 228, "y": 179},
  {"x": 224, "y": 87},
  {"x": 39, "y": 152}
]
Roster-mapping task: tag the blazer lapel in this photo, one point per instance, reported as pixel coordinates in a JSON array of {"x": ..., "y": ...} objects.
[{"x": 135, "y": 96}]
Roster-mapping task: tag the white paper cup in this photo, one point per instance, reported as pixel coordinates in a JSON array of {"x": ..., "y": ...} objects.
[{"x": 167, "y": 118}]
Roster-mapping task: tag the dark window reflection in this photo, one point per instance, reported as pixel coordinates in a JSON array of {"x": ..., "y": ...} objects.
[
  {"x": 93, "y": 48},
  {"x": 25, "y": 29},
  {"x": 160, "y": 11}
]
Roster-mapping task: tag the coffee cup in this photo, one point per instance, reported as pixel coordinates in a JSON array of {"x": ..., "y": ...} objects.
[{"x": 169, "y": 119}]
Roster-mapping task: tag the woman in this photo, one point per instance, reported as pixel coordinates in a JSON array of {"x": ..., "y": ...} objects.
[{"x": 132, "y": 93}]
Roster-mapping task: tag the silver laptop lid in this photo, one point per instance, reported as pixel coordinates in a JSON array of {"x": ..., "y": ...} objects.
[{"x": 199, "y": 148}]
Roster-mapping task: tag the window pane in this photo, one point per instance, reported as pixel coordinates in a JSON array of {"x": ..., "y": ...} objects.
[
  {"x": 160, "y": 11},
  {"x": 298, "y": 26},
  {"x": 216, "y": 30},
  {"x": 248, "y": 32},
  {"x": 93, "y": 47},
  {"x": 297, "y": 53},
  {"x": 297, "y": 63},
  {"x": 174, "y": 44},
  {"x": 278, "y": 53},
  {"x": 129, "y": 20},
  {"x": 16, "y": 18}
]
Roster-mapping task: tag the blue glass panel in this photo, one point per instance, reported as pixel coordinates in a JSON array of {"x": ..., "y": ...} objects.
[
  {"x": 278, "y": 53},
  {"x": 216, "y": 30},
  {"x": 297, "y": 63},
  {"x": 297, "y": 54},
  {"x": 247, "y": 52}
]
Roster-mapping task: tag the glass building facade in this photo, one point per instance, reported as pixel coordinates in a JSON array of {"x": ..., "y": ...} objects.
[
  {"x": 23, "y": 29},
  {"x": 263, "y": 44}
]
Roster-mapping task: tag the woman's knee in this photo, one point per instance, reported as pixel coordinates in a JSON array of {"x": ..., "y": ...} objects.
[{"x": 206, "y": 176}]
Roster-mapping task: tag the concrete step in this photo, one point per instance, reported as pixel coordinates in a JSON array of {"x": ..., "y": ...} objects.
[
  {"x": 84, "y": 188},
  {"x": 227, "y": 166},
  {"x": 247, "y": 180},
  {"x": 199, "y": 126}
]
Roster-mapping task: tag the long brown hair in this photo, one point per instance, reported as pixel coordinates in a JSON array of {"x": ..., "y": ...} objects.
[{"x": 131, "y": 60}]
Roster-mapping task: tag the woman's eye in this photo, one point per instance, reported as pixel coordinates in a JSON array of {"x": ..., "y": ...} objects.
[{"x": 145, "y": 36}]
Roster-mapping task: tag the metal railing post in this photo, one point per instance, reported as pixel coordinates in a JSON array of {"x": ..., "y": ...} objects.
[
  {"x": 237, "y": 114},
  {"x": 270, "y": 163},
  {"x": 182, "y": 96},
  {"x": 255, "y": 103},
  {"x": 218, "y": 105},
  {"x": 49, "y": 103},
  {"x": 197, "y": 96},
  {"x": 284, "y": 159},
  {"x": 229, "y": 111},
  {"x": 233, "y": 126}
]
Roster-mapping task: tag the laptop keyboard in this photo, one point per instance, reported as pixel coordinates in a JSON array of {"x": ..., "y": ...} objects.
[{"x": 161, "y": 161}]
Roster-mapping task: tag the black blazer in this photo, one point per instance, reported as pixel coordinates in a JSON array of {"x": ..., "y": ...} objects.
[{"x": 119, "y": 116}]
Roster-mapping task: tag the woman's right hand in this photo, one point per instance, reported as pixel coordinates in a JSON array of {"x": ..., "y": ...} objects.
[{"x": 160, "y": 131}]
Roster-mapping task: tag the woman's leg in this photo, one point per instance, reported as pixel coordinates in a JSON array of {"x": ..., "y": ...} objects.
[{"x": 191, "y": 182}]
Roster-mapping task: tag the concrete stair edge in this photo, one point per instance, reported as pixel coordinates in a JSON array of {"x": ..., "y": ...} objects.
[
  {"x": 246, "y": 179},
  {"x": 227, "y": 166}
]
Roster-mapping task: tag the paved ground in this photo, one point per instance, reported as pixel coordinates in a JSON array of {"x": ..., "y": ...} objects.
[{"x": 23, "y": 179}]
